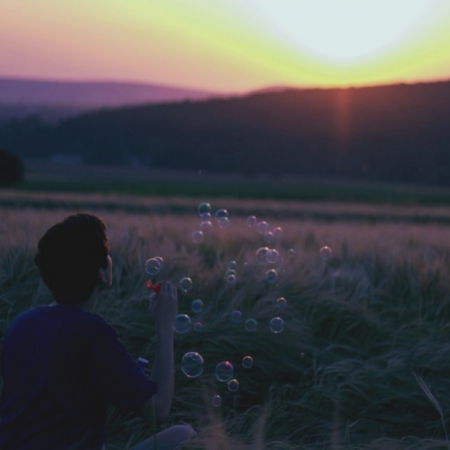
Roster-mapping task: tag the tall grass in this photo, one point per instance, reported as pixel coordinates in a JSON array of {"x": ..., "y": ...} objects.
[{"x": 359, "y": 327}]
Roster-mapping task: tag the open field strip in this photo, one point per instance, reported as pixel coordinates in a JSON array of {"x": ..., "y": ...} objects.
[{"x": 358, "y": 327}]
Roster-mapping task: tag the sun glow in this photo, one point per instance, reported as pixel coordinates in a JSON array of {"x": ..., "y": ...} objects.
[{"x": 228, "y": 45}]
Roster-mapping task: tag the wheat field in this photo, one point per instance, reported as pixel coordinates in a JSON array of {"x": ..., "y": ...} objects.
[{"x": 362, "y": 361}]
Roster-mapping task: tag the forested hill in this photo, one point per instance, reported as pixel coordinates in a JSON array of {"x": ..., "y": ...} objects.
[{"x": 396, "y": 133}]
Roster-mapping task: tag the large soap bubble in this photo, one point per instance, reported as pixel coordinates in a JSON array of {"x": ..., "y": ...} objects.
[
  {"x": 182, "y": 323},
  {"x": 203, "y": 209},
  {"x": 247, "y": 362},
  {"x": 277, "y": 325},
  {"x": 325, "y": 252},
  {"x": 186, "y": 284},
  {"x": 224, "y": 371},
  {"x": 192, "y": 364}
]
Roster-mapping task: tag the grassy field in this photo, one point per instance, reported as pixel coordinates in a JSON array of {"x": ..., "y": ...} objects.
[
  {"x": 363, "y": 330},
  {"x": 44, "y": 176}
]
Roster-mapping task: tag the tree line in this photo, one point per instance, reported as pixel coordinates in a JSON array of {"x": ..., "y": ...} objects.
[{"x": 397, "y": 133}]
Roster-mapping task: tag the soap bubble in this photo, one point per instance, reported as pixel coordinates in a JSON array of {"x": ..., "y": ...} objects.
[
  {"x": 182, "y": 323},
  {"x": 204, "y": 208},
  {"x": 262, "y": 227},
  {"x": 198, "y": 327},
  {"x": 278, "y": 232},
  {"x": 153, "y": 266},
  {"x": 272, "y": 276},
  {"x": 302, "y": 355},
  {"x": 325, "y": 252},
  {"x": 236, "y": 316},
  {"x": 159, "y": 259},
  {"x": 247, "y": 362},
  {"x": 269, "y": 237},
  {"x": 231, "y": 279},
  {"x": 277, "y": 325},
  {"x": 252, "y": 221},
  {"x": 232, "y": 265},
  {"x": 224, "y": 371},
  {"x": 221, "y": 214},
  {"x": 261, "y": 255},
  {"x": 281, "y": 303},
  {"x": 223, "y": 222},
  {"x": 250, "y": 325},
  {"x": 216, "y": 400},
  {"x": 233, "y": 385},
  {"x": 230, "y": 272},
  {"x": 206, "y": 226},
  {"x": 272, "y": 256},
  {"x": 196, "y": 305},
  {"x": 186, "y": 284},
  {"x": 192, "y": 364},
  {"x": 197, "y": 236},
  {"x": 291, "y": 253}
]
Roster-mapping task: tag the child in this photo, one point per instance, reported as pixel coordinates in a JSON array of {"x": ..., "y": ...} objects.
[{"x": 63, "y": 365}]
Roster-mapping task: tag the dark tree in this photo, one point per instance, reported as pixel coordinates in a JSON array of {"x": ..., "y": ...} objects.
[{"x": 11, "y": 168}]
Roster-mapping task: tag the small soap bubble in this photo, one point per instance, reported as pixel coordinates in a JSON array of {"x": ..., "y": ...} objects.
[
  {"x": 206, "y": 226},
  {"x": 232, "y": 265},
  {"x": 272, "y": 256},
  {"x": 233, "y": 385},
  {"x": 291, "y": 253},
  {"x": 192, "y": 364},
  {"x": 230, "y": 272},
  {"x": 223, "y": 222},
  {"x": 205, "y": 216},
  {"x": 277, "y": 325},
  {"x": 224, "y": 371},
  {"x": 216, "y": 400},
  {"x": 325, "y": 252},
  {"x": 186, "y": 284},
  {"x": 272, "y": 276},
  {"x": 221, "y": 214},
  {"x": 262, "y": 227},
  {"x": 269, "y": 237},
  {"x": 198, "y": 327},
  {"x": 278, "y": 232},
  {"x": 302, "y": 355},
  {"x": 252, "y": 221},
  {"x": 182, "y": 323},
  {"x": 204, "y": 208},
  {"x": 236, "y": 316},
  {"x": 281, "y": 303},
  {"x": 197, "y": 237},
  {"x": 231, "y": 278},
  {"x": 261, "y": 255},
  {"x": 196, "y": 305},
  {"x": 153, "y": 266},
  {"x": 250, "y": 325},
  {"x": 247, "y": 362}
]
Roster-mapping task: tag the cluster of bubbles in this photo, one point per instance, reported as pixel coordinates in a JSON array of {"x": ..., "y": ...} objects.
[
  {"x": 206, "y": 223},
  {"x": 231, "y": 272},
  {"x": 192, "y": 364},
  {"x": 154, "y": 265}
]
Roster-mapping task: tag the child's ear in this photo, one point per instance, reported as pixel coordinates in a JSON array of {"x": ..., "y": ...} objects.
[{"x": 106, "y": 273}]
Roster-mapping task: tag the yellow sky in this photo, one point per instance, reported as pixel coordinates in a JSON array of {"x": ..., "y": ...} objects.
[{"x": 227, "y": 45}]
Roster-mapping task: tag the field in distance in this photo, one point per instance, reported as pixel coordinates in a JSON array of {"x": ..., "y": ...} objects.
[{"x": 50, "y": 177}]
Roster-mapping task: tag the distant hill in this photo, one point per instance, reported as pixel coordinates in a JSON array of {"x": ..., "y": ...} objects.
[
  {"x": 54, "y": 99},
  {"x": 398, "y": 133}
]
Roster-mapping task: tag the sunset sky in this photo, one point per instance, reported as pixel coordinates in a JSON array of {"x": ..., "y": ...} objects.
[{"x": 227, "y": 45}]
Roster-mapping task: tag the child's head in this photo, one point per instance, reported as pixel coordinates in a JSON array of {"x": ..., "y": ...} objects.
[{"x": 71, "y": 255}]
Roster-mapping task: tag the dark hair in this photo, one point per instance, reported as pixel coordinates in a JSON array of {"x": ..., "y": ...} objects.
[{"x": 70, "y": 255}]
